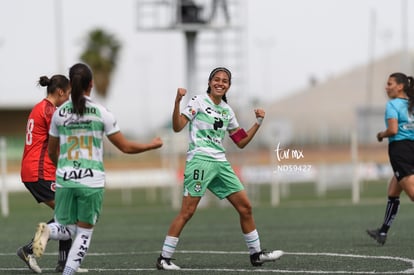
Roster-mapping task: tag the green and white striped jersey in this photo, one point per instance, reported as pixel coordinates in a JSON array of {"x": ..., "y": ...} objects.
[
  {"x": 80, "y": 161},
  {"x": 208, "y": 125}
]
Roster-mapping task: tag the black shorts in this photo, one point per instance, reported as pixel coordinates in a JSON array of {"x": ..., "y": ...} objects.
[
  {"x": 42, "y": 190},
  {"x": 401, "y": 154}
]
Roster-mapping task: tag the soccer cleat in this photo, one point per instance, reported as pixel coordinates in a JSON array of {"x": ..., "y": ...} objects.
[
  {"x": 29, "y": 259},
  {"x": 61, "y": 266},
  {"x": 380, "y": 237},
  {"x": 166, "y": 264},
  {"x": 258, "y": 258},
  {"x": 40, "y": 239}
]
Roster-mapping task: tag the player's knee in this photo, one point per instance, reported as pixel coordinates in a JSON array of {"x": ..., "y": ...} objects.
[
  {"x": 187, "y": 215},
  {"x": 246, "y": 210},
  {"x": 72, "y": 229}
]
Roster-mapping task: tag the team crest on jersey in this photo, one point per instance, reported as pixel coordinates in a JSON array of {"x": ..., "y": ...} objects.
[
  {"x": 53, "y": 187},
  {"x": 191, "y": 110},
  {"x": 225, "y": 114},
  {"x": 197, "y": 187}
]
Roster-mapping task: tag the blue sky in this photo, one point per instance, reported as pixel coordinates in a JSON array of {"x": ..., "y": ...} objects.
[{"x": 287, "y": 42}]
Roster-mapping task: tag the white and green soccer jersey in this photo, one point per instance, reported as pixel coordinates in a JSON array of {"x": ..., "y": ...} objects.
[
  {"x": 80, "y": 161},
  {"x": 208, "y": 125}
]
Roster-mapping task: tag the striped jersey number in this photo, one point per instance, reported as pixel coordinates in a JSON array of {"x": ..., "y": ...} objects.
[
  {"x": 79, "y": 142},
  {"x": 29, "y": 129}
]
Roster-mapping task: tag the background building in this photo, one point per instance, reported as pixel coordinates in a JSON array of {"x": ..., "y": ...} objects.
[{"x": 328, "y": 112}]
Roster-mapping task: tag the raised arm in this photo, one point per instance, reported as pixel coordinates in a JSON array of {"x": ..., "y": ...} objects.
[
  {"x": 178, "y": 120},
  {"x": 240, "y": 137}
]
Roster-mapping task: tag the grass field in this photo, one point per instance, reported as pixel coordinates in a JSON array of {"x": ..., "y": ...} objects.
[{"x": 319, "y": 235}]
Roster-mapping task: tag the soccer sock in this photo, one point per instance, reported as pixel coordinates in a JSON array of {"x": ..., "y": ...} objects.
[
  {"x": 69, "y": 271},
  {"x": 64, "y": 247},
  {"x": 169, "y": 246},
  {"x": 390, "y": 213},
  {"x": 58, "y": 232},
  {"x": 78, "y": 250},
  {"x": 252, "y": 241}
]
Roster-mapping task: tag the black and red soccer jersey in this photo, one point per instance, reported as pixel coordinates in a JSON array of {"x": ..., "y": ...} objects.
[{"x": 36, "y": 163}]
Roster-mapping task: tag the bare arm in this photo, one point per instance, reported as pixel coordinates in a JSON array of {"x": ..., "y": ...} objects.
[
  {"x": 178, "y": 120},
  {"x": 252, "y": 131},
  {"x": 390, "y": 131},
  {"x": 131, "y": 147},
  {"x": 53, "y": 149}
]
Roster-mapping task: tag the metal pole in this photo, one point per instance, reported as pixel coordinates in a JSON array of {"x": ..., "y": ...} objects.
[
  {"x": 370, "y": 70},
  {"x": 59, "y": 35},
  {"x": 4, "y": 190},
  {"x": 355, "y": 175},
  {"x": 405, "y": 61},
  {"x": 190, "y": 37}
]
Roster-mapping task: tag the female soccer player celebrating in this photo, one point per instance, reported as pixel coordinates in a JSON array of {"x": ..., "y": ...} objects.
[{"x": 210, "y": 117}]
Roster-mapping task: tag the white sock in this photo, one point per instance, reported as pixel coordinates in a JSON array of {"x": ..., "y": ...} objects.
[
  {"x": 79, "y": 249},
  {"x": 68, "y": 271},
  {"x": 252, "y": 241},
  {"x": 169, "y": 246},
  {"x": 58, "y": 232}
]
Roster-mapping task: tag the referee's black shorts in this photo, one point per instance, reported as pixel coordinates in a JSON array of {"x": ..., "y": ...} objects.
[{"x": 401, "y": 154}]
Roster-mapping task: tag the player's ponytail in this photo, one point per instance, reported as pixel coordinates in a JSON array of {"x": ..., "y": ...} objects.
[
  {"x": 409, "y": 90},
  {"x": 80, "y": 78},
  {"x": 57, "y": 81}
]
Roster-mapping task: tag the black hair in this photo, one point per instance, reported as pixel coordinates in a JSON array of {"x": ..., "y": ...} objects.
[
  {"x": 408, "y": 87},
  {"x": 210, "y": 77},
  {"x": 54, "y": 83},
  {"x": 80, "y": 76}
]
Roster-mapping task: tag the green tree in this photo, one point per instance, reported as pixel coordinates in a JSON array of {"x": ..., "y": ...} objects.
[{"x": 101, "y": 54}]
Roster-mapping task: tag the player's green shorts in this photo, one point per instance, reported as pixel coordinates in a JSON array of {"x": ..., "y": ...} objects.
[
  {"x": 78, "y": 204},
  {"x": 216, "y": 176}
]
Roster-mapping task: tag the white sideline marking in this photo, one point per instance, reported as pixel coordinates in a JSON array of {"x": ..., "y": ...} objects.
[{"x": 282, "y": 271}]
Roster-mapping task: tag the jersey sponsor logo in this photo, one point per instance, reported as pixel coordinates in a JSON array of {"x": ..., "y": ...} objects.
[
  {"x": 67, "y": 111},
  {"x": 410, "y": 124},
  {"x": 222, "y": 113},
  {"x": 78, "y": 124},
  {"x": 78, "y": 174},
  {"x": 210, "y": 139},
  {"x": 218, "y": 123},
  {"x": 210, "y": 110}
]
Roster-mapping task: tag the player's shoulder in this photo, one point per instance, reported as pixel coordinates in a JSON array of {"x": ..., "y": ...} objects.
[
  {"x": 198, "y": 98},
  {"x": 397, "y": 102},
  {"x": 40, "y": 107}
]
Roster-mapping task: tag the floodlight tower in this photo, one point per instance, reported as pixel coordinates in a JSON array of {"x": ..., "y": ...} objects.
[{"x": 219, "y": 18}]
